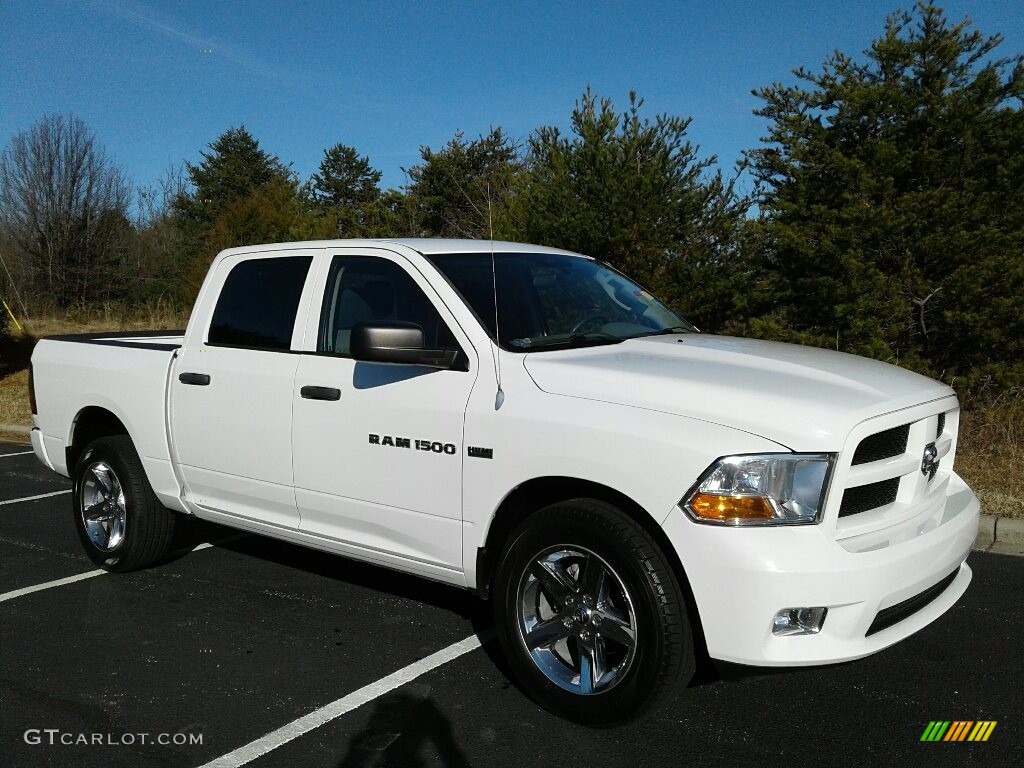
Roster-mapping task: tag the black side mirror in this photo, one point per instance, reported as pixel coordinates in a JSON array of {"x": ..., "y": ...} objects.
[{"x": 398, "y": 343}]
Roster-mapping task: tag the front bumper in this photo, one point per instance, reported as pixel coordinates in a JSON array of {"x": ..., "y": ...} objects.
[{"x": 742, "y": 576}]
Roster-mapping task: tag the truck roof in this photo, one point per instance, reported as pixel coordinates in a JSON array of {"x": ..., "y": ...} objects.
[
  {"x": 430, "y": 245},
  {"x": 424, "y": 245}
]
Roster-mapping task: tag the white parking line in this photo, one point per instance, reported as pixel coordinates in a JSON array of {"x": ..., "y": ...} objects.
[
  {"x": 89, "y": 574},
  {"x": 49, "y": 585},
  {"x": 345, "y": 704},
  {"x": 33, "y": 498},
  {"x": 19, "y": 453}
]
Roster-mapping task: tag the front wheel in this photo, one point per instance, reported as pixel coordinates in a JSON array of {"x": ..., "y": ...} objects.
[
  {"x": 120, "y": 522},
  {"x": 590, "y": 615}
]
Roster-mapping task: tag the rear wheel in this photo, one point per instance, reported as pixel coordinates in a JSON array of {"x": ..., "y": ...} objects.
[
  {"x": 590, "y": 615},
  {"x": 120, "y": 522}
]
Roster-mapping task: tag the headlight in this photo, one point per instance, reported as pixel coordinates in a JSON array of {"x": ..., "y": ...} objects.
[{"x": 762, "y": 489}]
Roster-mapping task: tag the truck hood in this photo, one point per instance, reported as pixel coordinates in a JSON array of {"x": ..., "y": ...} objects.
[{"x": 804, "y": 398}]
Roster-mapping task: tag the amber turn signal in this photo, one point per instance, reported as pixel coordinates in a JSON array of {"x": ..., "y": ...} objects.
[{"x": 712, "y": 506}]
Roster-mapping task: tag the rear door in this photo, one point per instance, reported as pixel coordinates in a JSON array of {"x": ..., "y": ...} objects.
[
  {"x": 231, "y": 391},
  {"x": 379, "y": 448}
]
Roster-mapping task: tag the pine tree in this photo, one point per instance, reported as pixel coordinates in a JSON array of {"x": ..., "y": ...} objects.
[
  {"x": 233, "y": 168},
  {"x": 892, "y": 215},
  {"x": 345, "y": 179},
  {"x": 634, "y": 192},
  {"x": 239, "y": 195},
  {"x": 346, "y": 188},
  {"x": 468, "y": 185}
]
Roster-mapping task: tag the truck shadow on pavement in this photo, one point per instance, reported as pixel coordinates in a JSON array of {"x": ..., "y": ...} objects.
[
  {"x": 335, "y": 567},
  {"x": 456, "y": 601},
  {"x": 403, "y": 726},
  {"x": 406, "y": 727}
]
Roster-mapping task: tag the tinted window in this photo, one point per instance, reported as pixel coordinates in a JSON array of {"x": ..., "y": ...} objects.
[
  {"x": 548, "y": 301},
  {"x": 365, "y": 289},
  {"x": 258, "y": 303}
]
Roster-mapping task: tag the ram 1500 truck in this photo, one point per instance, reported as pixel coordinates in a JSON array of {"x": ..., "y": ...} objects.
[{"x": 530, "y": 424}]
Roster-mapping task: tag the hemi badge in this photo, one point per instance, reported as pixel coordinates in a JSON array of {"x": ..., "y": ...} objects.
[{"x": 480, "y": 453}]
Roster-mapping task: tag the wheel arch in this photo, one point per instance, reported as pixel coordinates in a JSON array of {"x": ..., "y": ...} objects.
[
  {"x": 533, "y": 495},
  {"x": 91, "y": 423}
]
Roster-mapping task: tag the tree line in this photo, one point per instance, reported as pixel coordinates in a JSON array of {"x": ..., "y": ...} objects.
[{"x": 885, "y": 213}]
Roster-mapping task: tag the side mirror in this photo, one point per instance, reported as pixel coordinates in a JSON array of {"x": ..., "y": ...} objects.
[{"x": 397, "y": 343}]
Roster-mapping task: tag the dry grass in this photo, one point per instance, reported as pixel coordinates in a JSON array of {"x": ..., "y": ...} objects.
[
  {"x": 155, "y": 316},
  {"x": 14, "y": 404},
  {"x": 990, "y": 456},
  {"x": 14, "y": 408}
]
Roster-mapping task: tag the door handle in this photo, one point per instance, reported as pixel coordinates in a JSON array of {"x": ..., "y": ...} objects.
[
  {"x": 320, "y": 393},
  {"x": 198, "y": 379}
]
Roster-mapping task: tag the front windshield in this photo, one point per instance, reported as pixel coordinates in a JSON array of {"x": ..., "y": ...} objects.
[{"x": 554, "y": 301}]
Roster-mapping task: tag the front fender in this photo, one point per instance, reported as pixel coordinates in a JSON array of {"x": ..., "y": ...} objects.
[{"x": 652, "y": 458}]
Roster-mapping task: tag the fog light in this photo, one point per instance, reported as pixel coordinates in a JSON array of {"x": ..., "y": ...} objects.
[{"x": 798, "y": 621}]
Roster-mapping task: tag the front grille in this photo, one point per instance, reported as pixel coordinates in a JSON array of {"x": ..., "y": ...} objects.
[
  {"x": 896, "y": 613},
  {"x": 871, "y": 496},
  {"x": 876, "y": 508},
  {"x": 884, "y": 445}
]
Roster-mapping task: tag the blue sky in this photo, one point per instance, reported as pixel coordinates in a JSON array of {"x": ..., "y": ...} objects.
[{"x": 387, "y": 77}]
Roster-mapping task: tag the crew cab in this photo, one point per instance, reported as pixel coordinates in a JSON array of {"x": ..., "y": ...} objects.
[{"x": 528, "y": 423}]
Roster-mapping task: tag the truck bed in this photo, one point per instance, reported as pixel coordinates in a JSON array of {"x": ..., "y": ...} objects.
[
  {"x": 124, "y": 373},
  {"x": 162, "y": 340}
]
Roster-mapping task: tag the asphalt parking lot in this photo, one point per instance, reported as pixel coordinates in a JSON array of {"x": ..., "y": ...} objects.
[{"x": 239, "y": 642}]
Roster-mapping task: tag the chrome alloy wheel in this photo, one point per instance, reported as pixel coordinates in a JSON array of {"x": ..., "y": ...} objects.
[
  {"x": 102, "y": 507},
  {"x": 576, "y": 619}
]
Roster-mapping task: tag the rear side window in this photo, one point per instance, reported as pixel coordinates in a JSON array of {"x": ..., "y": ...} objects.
[{"x": 258, "y": 303}]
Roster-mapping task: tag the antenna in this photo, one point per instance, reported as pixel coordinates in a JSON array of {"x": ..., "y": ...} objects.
[{"x": 499, "y": 396}]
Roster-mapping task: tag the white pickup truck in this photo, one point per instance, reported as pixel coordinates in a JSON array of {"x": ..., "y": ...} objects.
[{"x": 626, "y": 490}]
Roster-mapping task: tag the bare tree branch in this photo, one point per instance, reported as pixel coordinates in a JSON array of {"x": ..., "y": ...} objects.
[{"x": 64, "y": 205}]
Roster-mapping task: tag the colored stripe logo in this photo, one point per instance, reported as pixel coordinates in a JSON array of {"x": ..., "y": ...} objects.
[{"x": 958, "y": 730}]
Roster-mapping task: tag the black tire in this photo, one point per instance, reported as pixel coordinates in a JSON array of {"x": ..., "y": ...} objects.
[
  {"x": 663, "y": 644},
  {"x": 148, "y": 526}
]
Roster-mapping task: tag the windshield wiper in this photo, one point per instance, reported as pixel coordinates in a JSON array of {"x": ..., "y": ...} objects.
[
  {"x": 665, "y": 332},
  {"x": 567, "y": 342}
]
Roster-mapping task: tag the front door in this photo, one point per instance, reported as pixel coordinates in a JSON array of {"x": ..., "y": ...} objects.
[{"x": 378, "y": 449}]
